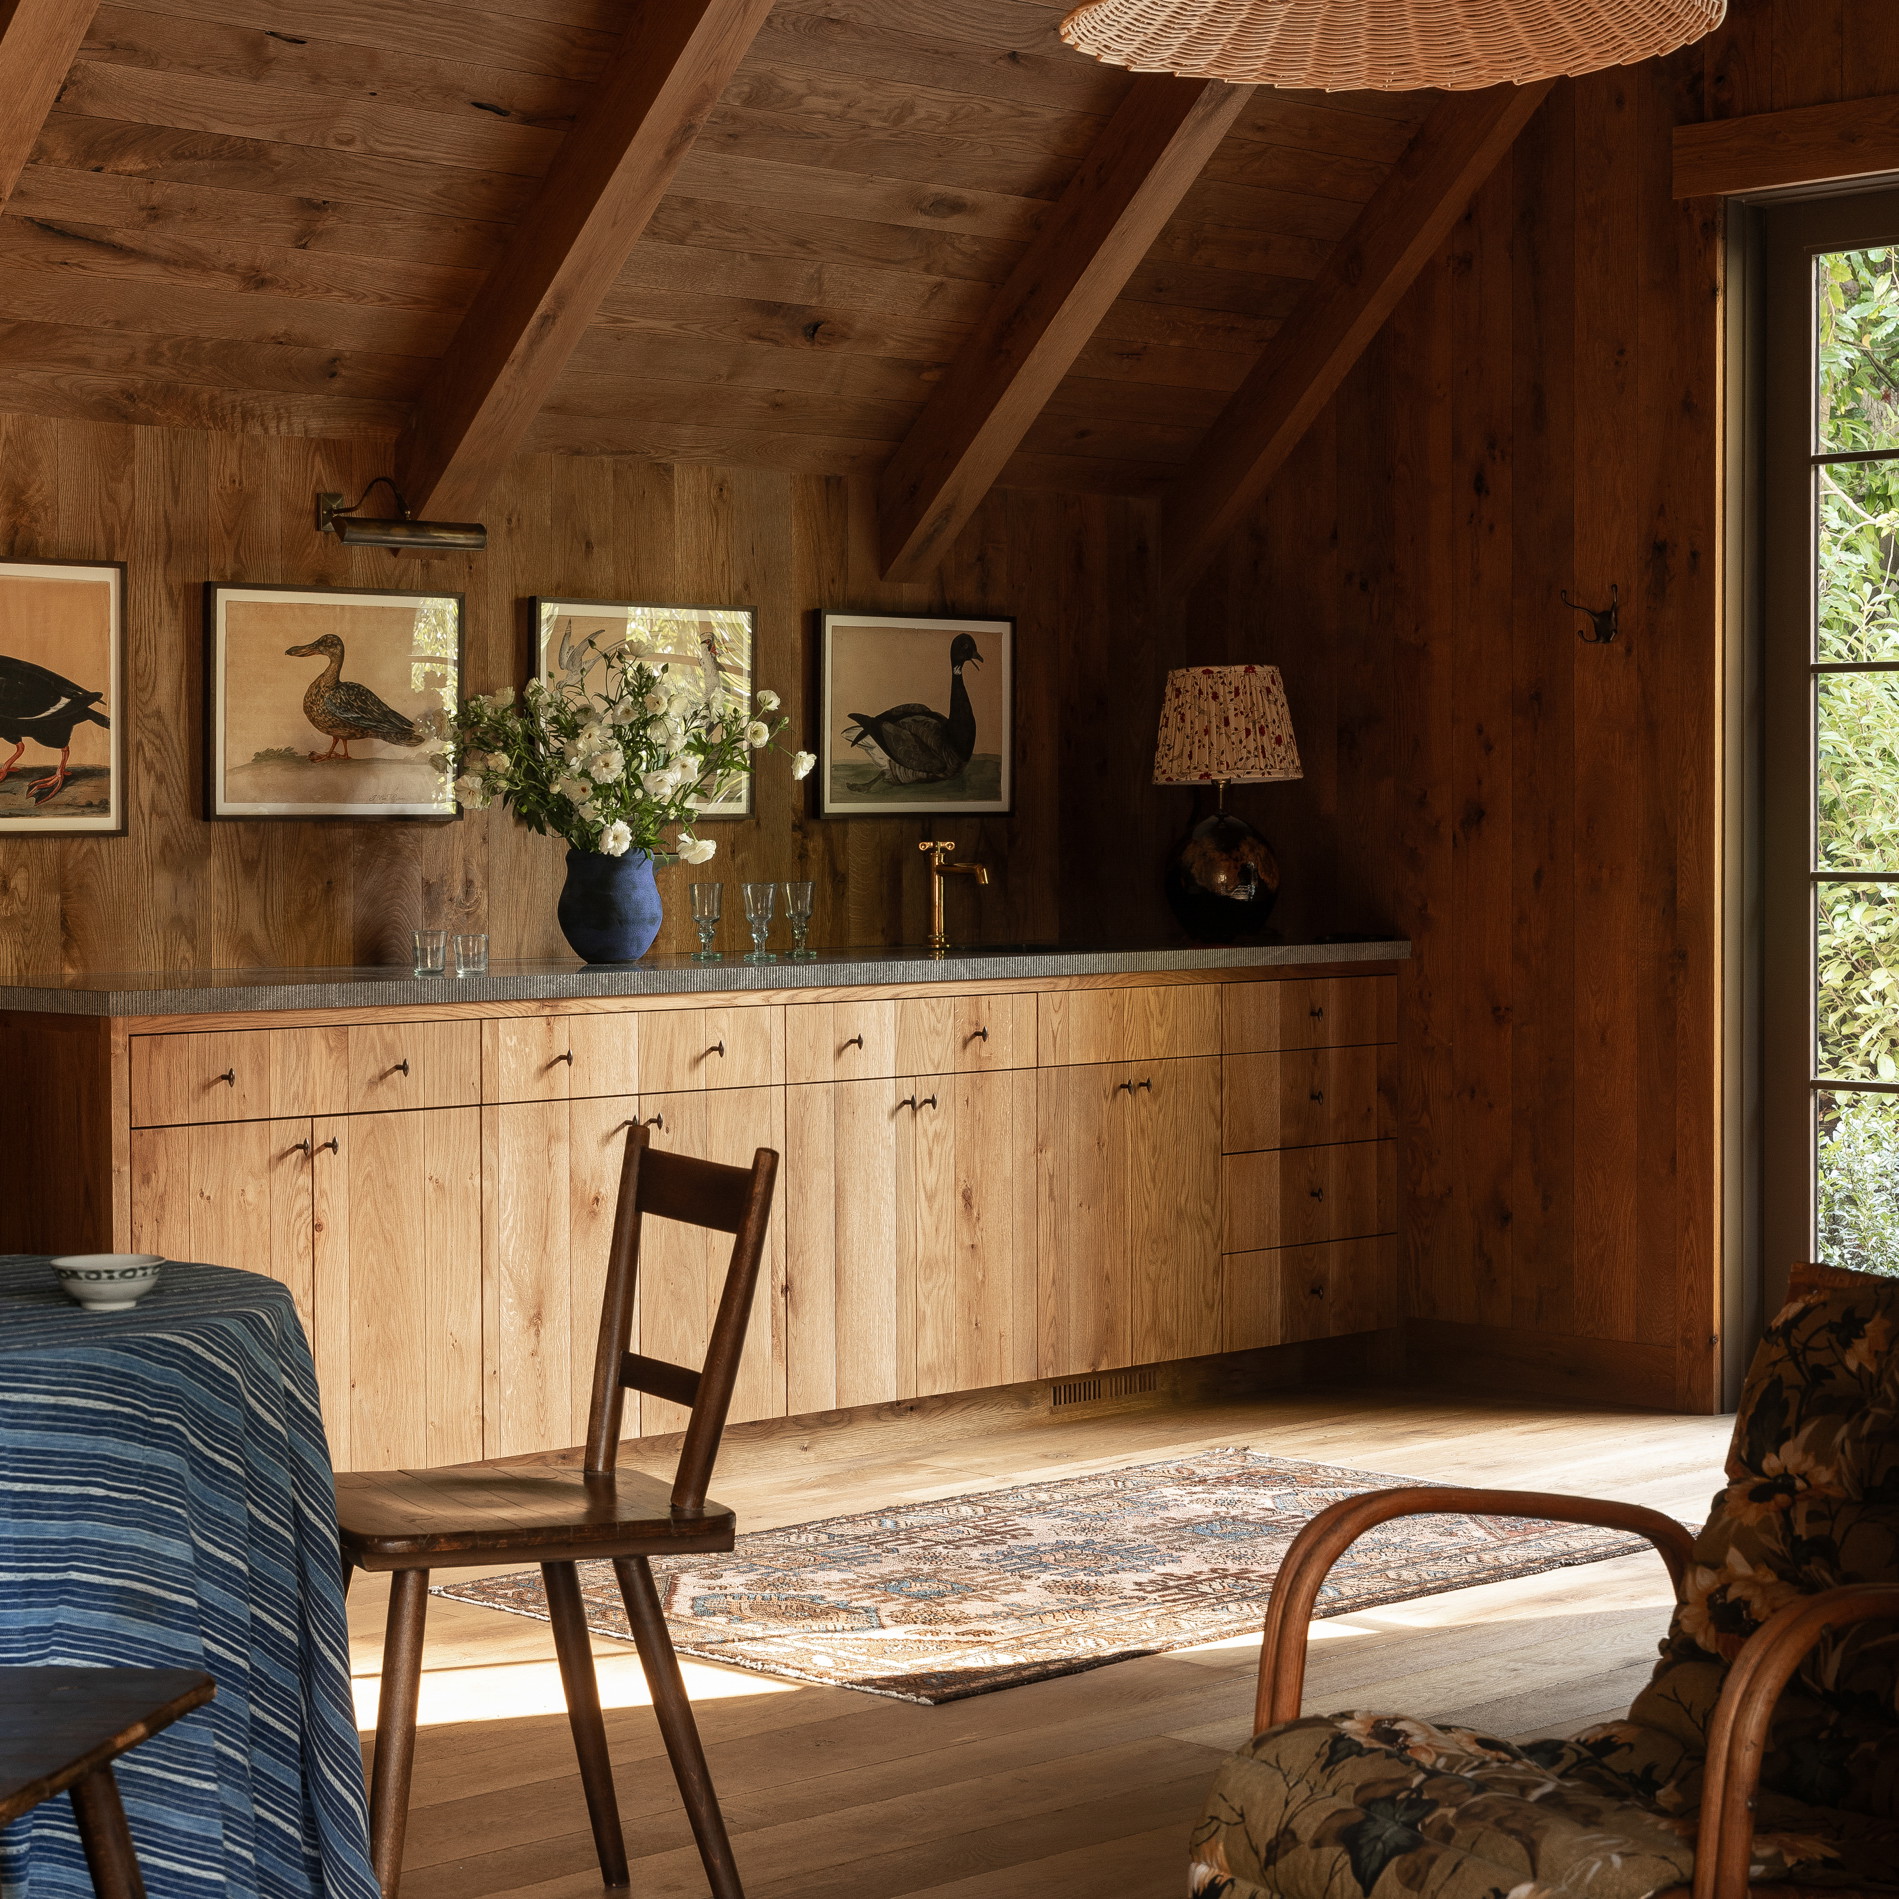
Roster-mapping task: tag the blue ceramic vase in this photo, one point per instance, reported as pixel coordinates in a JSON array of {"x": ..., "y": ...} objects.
[{"x": 609, "y": 907}]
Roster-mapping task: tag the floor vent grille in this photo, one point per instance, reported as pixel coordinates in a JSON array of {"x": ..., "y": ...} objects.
[{"x": 1114, "y": 1384}]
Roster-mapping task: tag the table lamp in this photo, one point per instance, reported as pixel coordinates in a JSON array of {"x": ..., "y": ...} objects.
[{"x": 1220, "y": 726}]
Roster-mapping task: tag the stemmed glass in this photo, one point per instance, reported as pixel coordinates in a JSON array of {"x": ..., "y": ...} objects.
[
  {"x": 758, "y": 907},
  {"x": 798, "y": 915},
  {"x": 707, "y": 901}
]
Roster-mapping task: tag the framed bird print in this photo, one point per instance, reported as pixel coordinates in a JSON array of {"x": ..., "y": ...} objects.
[
  {"x": 62, "y": 735},
  {"x": 327, "y": 703},
  {"x": 916, "y": 716},
  {"x": 709, "y": 645}
]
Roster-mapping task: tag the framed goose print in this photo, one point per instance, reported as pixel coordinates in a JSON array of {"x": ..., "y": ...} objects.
[
  {"x": 326, "y": 703},
  {"x": 62, "y": 659},
  {"x": 712, "y": 645},
  {"x": 917, "y": 716}
]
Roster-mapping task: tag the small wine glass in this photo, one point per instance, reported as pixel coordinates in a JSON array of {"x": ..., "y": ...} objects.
[
  {"x": 759, "y": 899},
  {"x": 798, "y": 915},
  {"x": 707, "y": 901}
]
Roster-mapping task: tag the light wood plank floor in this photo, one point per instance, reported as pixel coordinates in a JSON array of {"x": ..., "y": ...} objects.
[{"x": 1090, "y": 1782}]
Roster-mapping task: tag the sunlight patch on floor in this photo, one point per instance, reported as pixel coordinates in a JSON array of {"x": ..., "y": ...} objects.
[{"x": 512, "y": 1690}]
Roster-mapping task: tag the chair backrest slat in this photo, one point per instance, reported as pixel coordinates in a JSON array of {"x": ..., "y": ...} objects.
[{"x": 735, "y": 1200}]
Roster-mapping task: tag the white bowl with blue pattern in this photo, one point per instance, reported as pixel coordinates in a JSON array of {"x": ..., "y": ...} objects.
[{"x": 107, "y": 1282}]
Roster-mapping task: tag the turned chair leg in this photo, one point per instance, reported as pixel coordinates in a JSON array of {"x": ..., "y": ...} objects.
[
  {"x": 395, "y": 1725},
  {"x": 574, "y": 1646},
  {"x": 676, "y": 1725},
  {"x": 105, "y": 1836}
]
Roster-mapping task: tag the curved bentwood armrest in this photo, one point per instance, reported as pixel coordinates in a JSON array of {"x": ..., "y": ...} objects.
[
  {"x": 1737, "y": 1735},
  {"x": 1309, "y": 1560}
]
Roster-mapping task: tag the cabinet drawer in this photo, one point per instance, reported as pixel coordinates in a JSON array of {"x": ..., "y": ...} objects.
[
  {"x": 682, "y": 1049},
  {"x": 1127, "y": 1025},
  {"x": 840, "y": 1041},
  {"x": 1302, "y": 1194},
  {"x": 559, "y": 1057},
  {"x": 949, "y": 1035},
  {"x": 236, "y": 1075},
  {"x": 413, "y": 1065},
  {"x": 1307, "y": 1292},
  {"x": 1302, "y": 1097},
  {"x": 1327, "y": 1013}
]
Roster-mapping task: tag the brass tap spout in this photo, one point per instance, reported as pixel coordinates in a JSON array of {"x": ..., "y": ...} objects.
[{"x": 939, "y": 941}]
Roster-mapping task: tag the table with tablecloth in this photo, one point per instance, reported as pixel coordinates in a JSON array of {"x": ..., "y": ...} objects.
[{"x": 165, "y": 1502}]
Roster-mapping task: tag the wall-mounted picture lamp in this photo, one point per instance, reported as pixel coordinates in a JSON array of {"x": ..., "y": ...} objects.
[{"x": 354, "y": 530}]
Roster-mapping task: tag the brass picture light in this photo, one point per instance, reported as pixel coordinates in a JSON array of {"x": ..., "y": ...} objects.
[{"x": 435, "y": 537}]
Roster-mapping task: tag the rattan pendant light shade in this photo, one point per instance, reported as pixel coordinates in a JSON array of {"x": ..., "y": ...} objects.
[{"x": 1384, "y": 45}]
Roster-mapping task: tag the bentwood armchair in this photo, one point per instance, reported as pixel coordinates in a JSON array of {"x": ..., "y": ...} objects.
[
  {"x": 411, "y": 1521},
  {"x": 1765, "y": 1747}
]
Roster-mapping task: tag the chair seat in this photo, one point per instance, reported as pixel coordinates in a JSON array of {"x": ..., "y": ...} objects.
[{"x": 468, "y": 1514}]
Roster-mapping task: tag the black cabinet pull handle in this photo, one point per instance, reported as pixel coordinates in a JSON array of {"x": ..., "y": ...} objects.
[
  {"x": 928, "y": 1101},
  {"x": 1318, "y": 1292},
  {"x": 1316, "y": 1014},
  {"x": 1124, "y": 1087},
  {"x": 1318, "y": 1094},
  {"x": 229, "y": 1078},
  {"x": 977, "y": 1035},
  {"x": 717, "y": 1048},
  {"x": 567, "y": 1057},
  {"x": 330, "y": 1144},
  {"x": 655, "y": 1121},
  {"x": 856, "y": 1041},
  {"x": 1316, "y": 1193},
  {"x": 401, "y": 1067},
  {"x": 914, "y": 1105},
  {"x": 300, "y": 1147},
  {"x": 1146, "y": 1083}
]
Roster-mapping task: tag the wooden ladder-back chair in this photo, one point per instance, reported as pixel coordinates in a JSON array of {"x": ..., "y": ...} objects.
[
  {"x": 1762, "y": 1755},
  {"x": 412, "y": 1521}
]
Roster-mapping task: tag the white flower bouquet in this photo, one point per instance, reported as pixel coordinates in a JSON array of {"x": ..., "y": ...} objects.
[{"x": 613, "y": 760}]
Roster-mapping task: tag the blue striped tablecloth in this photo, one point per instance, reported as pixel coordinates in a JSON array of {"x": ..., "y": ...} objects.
[{"x": 165, "y": 1502}]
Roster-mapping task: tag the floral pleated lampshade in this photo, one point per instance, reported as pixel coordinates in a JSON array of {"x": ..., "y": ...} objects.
[
  {"x": 1384, "y": 45},
  {"x": 1225, "y": 725}
]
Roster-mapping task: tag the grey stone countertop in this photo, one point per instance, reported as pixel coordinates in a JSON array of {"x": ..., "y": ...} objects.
[{"x": 211, "y": 991}]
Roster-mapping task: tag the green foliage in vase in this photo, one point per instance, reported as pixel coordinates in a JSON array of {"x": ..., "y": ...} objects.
[{"x": 612, "y": 759}]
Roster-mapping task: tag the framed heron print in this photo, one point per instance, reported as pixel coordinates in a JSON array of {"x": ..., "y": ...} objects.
[
  {"x": 326, "y": 703},
  {"x": 62, "y": 660},
  {"x": 916, "y": 716},
  {"x": 712, "y": 645}
]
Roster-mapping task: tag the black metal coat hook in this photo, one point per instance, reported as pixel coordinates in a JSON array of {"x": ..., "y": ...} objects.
[{"x": 1606, "y": 621}]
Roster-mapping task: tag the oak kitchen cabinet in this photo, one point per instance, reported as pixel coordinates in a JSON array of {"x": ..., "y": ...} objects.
[{"x": 982, "y": 1183}]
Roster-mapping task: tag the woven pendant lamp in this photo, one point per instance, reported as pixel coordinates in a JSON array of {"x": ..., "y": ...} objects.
[{"x": 1384, "y": 45}]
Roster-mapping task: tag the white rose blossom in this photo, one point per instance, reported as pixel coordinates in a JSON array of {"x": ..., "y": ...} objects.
[
  {"x": 575, "y": 790},
  {"x": 606, "y": 766},
  {"x": 695, "y": 850},
  {"x": 617, "y": 839},
  {"x": 801, "y": 763},
  {"x": 768, "y": 701},
  {"x": 757, "y": 733}
]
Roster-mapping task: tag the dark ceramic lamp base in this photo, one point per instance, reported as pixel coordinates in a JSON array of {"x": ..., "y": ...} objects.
[{"x": 1223, "y": 881}]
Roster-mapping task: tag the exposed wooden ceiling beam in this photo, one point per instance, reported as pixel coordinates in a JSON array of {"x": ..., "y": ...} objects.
[
  {"x": 1377, "y": 261},
  {"x": 598, "y": 195},
  {"x": 39, "y": 40},
  {"x": 1810, "y": 145},
  {"x": 1135, "y": 175}
]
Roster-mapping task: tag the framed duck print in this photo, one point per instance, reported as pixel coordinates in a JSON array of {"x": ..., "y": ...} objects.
[
  {"x": 326, "y": 703},
  {"x": 709, "y": 645},
  {"x": 916, "y": 716},
  {"x": 62, "y": 664}
]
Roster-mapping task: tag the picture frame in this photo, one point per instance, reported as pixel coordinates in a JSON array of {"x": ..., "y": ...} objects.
[
  {"x": 377, "y": 669},
  {"x": 941, "y": 745},
  {"x": 721, "y": 639},
  {"x": 62, "y": 674}
]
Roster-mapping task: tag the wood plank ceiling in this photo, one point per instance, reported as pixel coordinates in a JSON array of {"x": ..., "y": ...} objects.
[{"x": 271, "y": 215}]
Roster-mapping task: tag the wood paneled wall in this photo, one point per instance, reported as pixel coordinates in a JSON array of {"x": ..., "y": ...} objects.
[
  {"x": 1541, "y": 816},
  {"x": 183, "y": 507}
]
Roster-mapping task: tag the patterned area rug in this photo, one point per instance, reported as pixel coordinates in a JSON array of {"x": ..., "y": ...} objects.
[{"x": 932, "y": 1602}]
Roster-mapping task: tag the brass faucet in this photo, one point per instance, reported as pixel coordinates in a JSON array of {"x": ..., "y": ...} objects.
[{"x": 939, "y": 942}]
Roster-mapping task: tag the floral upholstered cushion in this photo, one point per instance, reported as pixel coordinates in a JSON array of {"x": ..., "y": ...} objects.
[{"x": 1354, "y": 1806}]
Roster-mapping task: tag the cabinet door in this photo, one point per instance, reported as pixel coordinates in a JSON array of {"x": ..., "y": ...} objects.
[
  {"x": 398, "y": 1286},
  {"x": 1171, "y": 1206},
  {"x": 967, "y": 1215},
  {"x": 682, "y": 1268},
  {"x": 230, "y": 1194},
  {"x": 845, "y": 1310},
  {"x": 1082, "y": 1294}
]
